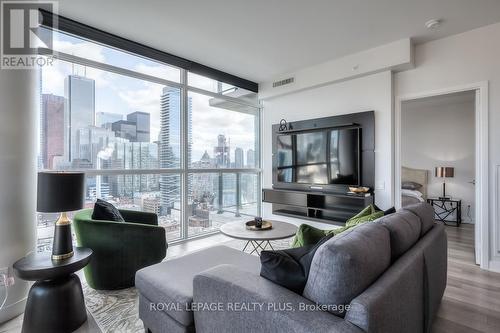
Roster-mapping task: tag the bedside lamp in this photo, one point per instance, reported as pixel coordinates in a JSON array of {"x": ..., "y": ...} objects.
[
  {"x": 61, "y": 192},
  {"x": 444, "y": 172}
]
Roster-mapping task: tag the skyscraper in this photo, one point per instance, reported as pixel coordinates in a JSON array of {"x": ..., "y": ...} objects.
[
  {"x": 125, "y": 129},
  {"x": 52, "y": 129},
  {"x": 103, "y": 118},
  {"x": 142, "y": 122},
  {"x": 169, "y": 146},
  {"x": 251, "y": 158},
  {"x": 238, "y": 158},
  {"x": 221, "y": 152},
  {"x": 80, "y": 93}
]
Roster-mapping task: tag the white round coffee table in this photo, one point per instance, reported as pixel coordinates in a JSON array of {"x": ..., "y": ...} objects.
[{"x": 259, "y": 239}]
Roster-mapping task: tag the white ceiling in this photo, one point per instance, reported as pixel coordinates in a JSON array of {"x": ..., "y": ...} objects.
[{"x": 259, "y": 39}]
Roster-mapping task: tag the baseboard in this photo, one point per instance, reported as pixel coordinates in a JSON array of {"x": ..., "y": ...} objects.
[
  {"x": 12, "y": 310},
  {"x": 494, "y": 266}
]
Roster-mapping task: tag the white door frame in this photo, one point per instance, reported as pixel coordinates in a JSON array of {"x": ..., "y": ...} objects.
[{"x": 482, "y": 240}]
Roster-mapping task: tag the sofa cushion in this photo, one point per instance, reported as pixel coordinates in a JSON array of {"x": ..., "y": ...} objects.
[
  {"x": 404, "y": 230},
  {"x": 171, "y": 282},
  {"x": 426, "y": 214},
  {"x": 347, "y": 264}
]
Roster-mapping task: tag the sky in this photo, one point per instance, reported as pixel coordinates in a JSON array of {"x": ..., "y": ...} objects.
[{"x": 122, "y": 94}]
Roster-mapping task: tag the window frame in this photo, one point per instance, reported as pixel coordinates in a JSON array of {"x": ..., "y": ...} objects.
[
  {"x": 69, "y": 26},
  {"x": 185, "y": 168}
]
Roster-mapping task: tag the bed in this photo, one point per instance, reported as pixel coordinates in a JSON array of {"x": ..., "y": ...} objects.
[{"x": 411, "y": 196}]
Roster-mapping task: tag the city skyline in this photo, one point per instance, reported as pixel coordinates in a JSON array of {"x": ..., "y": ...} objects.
[
  {"x": 122, "y": 95},
  {"x": 119, "y": 127}
]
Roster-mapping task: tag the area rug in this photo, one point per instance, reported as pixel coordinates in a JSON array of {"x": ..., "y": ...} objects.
[{"x": 116, "y": 311}]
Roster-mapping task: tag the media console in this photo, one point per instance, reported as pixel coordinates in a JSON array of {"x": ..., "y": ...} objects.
[
  {"x": 315, "y": 161},
  {"x": 332, "y": 208}
]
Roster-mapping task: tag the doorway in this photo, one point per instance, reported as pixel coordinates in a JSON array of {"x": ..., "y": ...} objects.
[{"x": 446, "y": 129}]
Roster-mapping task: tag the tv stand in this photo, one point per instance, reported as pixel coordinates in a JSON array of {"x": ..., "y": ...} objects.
[{"x": 332, "y": 208}]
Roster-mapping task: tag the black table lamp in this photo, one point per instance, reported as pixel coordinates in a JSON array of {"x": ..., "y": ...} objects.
[
  {"x": 61, "y": 192},
  {"x": 444, "y": 172}
]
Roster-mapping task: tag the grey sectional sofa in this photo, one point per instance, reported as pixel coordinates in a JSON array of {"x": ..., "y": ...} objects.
[{"x": 384, "y": 276}]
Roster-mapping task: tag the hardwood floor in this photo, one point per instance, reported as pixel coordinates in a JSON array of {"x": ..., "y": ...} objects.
[{"x": 471, "y": 301}]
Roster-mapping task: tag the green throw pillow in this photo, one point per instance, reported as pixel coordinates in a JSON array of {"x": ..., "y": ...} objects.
[
  {"x": 309, "y": 235},
  {"x": 336, "y": 231},
  {"x": 354, "y": 221},
  {"x": 368, "y": 210}
]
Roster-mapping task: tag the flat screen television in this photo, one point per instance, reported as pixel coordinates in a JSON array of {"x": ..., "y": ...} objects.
[{"x": 318, "y": 157}]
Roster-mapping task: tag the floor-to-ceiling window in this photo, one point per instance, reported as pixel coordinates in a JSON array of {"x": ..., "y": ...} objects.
[{"x": 149, "y": 136}]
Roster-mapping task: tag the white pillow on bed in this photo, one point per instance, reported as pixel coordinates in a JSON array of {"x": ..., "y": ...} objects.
[{"x": 413, "y": 193}]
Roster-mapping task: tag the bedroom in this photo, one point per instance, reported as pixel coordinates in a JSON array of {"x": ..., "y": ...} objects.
[{"x": 438, "y": 155}]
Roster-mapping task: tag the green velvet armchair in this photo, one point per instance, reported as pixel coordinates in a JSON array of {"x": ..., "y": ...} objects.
[{"x": 120, "y": 249}]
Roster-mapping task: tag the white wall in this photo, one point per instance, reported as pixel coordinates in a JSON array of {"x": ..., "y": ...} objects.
[
  {"x": 17, "y": 177},
  {"x": 463, "y": 59},
  {"x": 397, "y": 55},
  {"x": 373, "y": 92},
  {"x": 439, "y": 131}
]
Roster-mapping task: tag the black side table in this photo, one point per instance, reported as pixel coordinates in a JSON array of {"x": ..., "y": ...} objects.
[
  {"x": 55, "y": 301},
  {"x": 444, "y": 207}
]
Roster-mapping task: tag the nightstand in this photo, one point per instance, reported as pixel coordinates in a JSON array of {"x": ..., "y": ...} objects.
[{"x": 445, "y": 207}]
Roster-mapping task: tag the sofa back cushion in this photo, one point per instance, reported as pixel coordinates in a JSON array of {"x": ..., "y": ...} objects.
[
  {"x": 404, "y": 230},
  {"x": 346, "y": 265},
  {"x": 426, "y": 214}
]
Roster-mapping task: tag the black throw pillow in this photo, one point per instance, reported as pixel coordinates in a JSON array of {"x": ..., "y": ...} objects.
[
  {"x": 387, "y": 211},
  {"x": 105, "y": 211},
  {"x": 289, "y": 268}
]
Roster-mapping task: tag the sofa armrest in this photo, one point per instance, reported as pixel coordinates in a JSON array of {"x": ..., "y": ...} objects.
[
  {"x": 134, "y": 216},
  {"x": 247, "y": 302}
]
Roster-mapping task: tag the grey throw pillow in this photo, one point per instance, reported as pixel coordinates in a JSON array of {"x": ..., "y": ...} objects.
[{"x": 410, "y": 186}]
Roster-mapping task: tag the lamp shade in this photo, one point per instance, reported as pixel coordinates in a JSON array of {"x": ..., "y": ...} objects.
[
  {"x": 447, "y": 172},
  {"x": 60, "y": 191}
]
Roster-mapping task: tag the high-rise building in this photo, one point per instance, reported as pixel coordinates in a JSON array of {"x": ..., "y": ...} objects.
[
  {"x": 169, "y": 146},
  {"x": 238, "y": 158},
  {"x": 151, "y": 205},
  {"x": 52, "y": 129},
  {"x": 125, "y": 129},
  {"x": 203, "y": 184},
  {"x": 251, "y": 158},
  {"x": 103, "y": 118},
  {"x": 80, "y": 93},
  {"x": 221, "y": 152},
  {"x": 142, "y": 122},
  {"x": 93, "y": 144}
]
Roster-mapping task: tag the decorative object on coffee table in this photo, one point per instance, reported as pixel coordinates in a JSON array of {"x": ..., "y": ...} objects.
[
  {"x": 61, "y": 192},
  {"x": 259, "y": 239},
  {"x": 258, "y": 224},
  {"x": 55, "y": 301}
]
